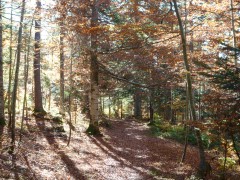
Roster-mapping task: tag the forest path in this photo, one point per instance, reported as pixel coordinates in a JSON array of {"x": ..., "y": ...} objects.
[{"x": 127, "y": 150}]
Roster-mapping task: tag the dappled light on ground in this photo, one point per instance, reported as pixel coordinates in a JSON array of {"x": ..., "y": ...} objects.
[{"x": 126, "y": 150}]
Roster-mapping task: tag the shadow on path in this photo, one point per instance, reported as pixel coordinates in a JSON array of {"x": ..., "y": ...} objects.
[
  {"x": 49, "y": 135},
  {"x": 130, "y": 144}
]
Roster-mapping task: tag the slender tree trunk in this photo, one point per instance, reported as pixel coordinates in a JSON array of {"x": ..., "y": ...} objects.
[
  {"x": 151, "y": 110},
  {"x": 61, "y": 69},
  {"x": 203, "y": 164},
  {"x": 15, "y": 86},
  {"x": 26, "y": 70},
  {"x": 49, "y": 98},
  {"x": 70, "y": 102},
  {"x": 185, "y": 144},
  {"x": 10, "y": 71},
  {"x": 186, "y": 127},
  {"x": 234, "y": 33},
  {"x": 37, "y": 66},
  {"x": 103, "y": 105},
  {"x": 25, "y": 94},
  {"x": 121, "y": 109},
  {"x": 2, "y": 117},
  {"x": 109, "y": 107},
  {"x": 173, "y": 118},
  {"x": 94, "y": 70}
]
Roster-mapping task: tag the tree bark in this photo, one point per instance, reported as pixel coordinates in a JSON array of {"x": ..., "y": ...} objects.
[
  {"x": 26, "y": 72},
  {"x": 15, "y": 86},
  {"x": 151, "y": 110},
  {"x": 234, "y": 34},
  {"x": 61, "y": 69},
  {"x": 94, "y": 70},
  {"x": 10, "y": 70},
  {"x": 137, "y": 103},
  {"x": 202, "y": 165},
  {"x": 2, "y": 117},
  {"x": 37, "y": 74}
]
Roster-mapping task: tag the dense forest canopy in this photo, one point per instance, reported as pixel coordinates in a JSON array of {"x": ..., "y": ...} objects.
[{"x": 172, "y": 64}]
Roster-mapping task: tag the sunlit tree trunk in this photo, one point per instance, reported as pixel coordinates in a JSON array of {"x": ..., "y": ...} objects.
[
  {"x": 15, "y": 86},
  {"x": 94, "y": 70},
  {"x": 37, "y": 77},
  {"x": 26, "y": 70},
  {"x": 233, "y": 31},
  {"x": 70, "y": 102},
  {"x": 2, "y": 118},
  {"x": 10, "y": 70},
  {"x": 61, "y": 69},
  {"x": 203, "y": 164}
]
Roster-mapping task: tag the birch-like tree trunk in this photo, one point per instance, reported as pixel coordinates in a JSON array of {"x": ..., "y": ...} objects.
[{"x": 233, "y": 31}]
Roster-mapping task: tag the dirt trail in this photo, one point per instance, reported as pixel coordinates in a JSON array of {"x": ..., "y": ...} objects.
[{"x": 126, "y": 151}]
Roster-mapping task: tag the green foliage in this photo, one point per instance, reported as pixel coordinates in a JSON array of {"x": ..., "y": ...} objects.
[
  {"x": 228, "y": 79},
  {"x": 178, "y": 132},
  {"x": 230, "y": 163},
  {"x": 47, "y": 81}
]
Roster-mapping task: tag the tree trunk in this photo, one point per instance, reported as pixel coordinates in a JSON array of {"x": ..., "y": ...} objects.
[
  {"x": 26, "y": 70},
  {"x": 168, "y": 107},
  {"x": 70, "y": 102},
  {"x": 109, "y": 107},
  {"x": 2, "y": 118},
  {"x": 173, "y": 118},
  {"x": 234, "y": 34},
  {"x": 10, "y": 70},
  {"x": 121, "y": 109},
  {"x": 137, "y": 104},
  {"x": 15, "y": 86},
  {"x": 203, "y": 164},
  {"x": 94, "y": 70},
  {"x": 37, "y": 73},
  {"x": 151, "y": 110},
  {"x": 61, "y": 69}
]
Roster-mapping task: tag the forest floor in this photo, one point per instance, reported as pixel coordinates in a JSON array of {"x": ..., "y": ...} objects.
[{"x": 127, "y": 150}]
